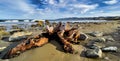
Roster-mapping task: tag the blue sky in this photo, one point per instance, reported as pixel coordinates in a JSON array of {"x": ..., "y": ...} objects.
[{"x": 52, "y": 9}]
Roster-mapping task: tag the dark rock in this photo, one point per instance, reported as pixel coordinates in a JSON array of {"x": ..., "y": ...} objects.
[
  {"x": 93, "y": 53},
  {"x": 91, "y": 45},
  {"x": 5, "y": 38},
  {"x": 94, "y": 45},
  {"x": 83, "y": 37}
]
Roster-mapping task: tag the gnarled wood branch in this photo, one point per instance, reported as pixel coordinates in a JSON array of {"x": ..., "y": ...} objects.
[{"x": 63, "y": 32}]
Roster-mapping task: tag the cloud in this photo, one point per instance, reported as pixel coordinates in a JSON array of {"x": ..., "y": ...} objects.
[
  {"x": 54, "y": 8},
  {"x": 83, "y": 8},
  {"x": 22, "y": 7},
  {"x": 111, "y": 2},
  {"x": 51, "y": 2},
  {"x": 19, "y": 5},
  {"x": 25, "y": 7}
]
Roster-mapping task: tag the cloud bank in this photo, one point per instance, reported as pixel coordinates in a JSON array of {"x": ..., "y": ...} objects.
[{"x": 50, "y": 9}]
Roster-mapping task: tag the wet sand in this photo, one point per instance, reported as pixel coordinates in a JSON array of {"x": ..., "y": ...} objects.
[{"x": 54, "y": 52}]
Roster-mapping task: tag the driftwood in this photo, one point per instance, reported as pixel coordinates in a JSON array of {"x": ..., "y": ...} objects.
[{"x": 62, "y": 33}]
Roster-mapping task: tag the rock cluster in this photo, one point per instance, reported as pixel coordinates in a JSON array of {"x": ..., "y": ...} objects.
[{"x": 96, "y": 46}]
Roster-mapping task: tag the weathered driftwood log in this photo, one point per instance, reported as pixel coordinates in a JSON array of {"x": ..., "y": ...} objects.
[
  {"x": 67, "y": 45},
  {"x": 64, "y": 33},
  {"x": 25, "y": 45}
]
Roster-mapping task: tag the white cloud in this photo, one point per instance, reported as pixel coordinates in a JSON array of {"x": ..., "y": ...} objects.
[
  {"x": 23, "y": 6},
  {"x": 111, "y": 2},
  {"x": 83, "y": 8},
  {"x": 51, "y": 2},
  {"x": 19, "y": 5}
]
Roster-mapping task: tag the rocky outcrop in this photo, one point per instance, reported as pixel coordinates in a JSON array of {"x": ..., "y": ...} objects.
[
  {"x": 19, "y": 35},
  {"x": 15, "y": 30}
]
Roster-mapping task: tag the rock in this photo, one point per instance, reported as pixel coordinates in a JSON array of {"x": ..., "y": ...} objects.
[
  {"x": 93, "y": 45},
  {"x": 101, "y": 39},
  {"x": 109, "y": 49},
  {"x": 96, "y": 43},
  {"x": 110, "y": 39},
  {"x": 3, "y": 45},
  {"x": 4, "y": 60},
  {"x": 15, "y": 30},
  {"x": 83, "y": 37},
  {"x": 93, "y": 53},
  {"x": 99, "y": 45},
  {"x": 96, "y": 34},
  {"x": 118, "y": 26},
  {"x": 107, "y": 58},
  {"x": 2, "y": 48},
  {"x": 19, "y": 35},
  {"x": 5, "y": 38}
]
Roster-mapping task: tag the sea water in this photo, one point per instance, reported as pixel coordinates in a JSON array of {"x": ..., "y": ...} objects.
[{"x": 26, "y": 24}]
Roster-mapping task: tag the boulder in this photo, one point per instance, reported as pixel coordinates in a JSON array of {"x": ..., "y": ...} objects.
[
  {"x": 19, "y": 35},
  {"x": 83, "y": 37},
  {"x": 96, "y": 34},
  {"x": 109, "y": 49},
  {"x": 93, "y": 53}
]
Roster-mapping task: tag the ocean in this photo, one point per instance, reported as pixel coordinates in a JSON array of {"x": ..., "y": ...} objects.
[{"x": 26, "y": 24}]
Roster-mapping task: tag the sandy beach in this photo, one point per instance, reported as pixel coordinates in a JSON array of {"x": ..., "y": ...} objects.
[{"x": 54, "y": 52}]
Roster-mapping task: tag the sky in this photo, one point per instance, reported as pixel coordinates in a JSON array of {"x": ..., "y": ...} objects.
[{"x": 53, "y": 9}]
